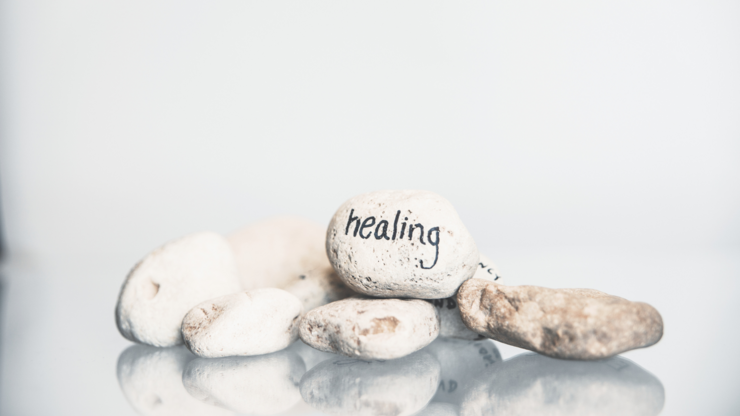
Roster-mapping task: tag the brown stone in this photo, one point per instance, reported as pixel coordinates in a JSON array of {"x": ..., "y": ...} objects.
[{"x": 576, "y": 324}]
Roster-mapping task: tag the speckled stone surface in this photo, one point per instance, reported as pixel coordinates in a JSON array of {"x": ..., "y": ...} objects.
[
  {"x": 451, "y": 323},
  {"x": 579, "y": 324},
  {"x": 401, "y": 244},
  {"x": 346, "y": 386},
  {"x": 371, "y": 329},
  {"x": 254, "y": 322},
  {"x": 162, "y": 288}
]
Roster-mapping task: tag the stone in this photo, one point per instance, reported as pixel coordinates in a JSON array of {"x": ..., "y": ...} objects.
[
  {"x": 259, "y": 385},
  {"x": 319, "y": 286},
  {"x": 346, "y": 386},
  {"x": 151, "y": 380},
  {"x": 393, "y": 244},
  {"x": 531, "y": 384},
  {"x": 461, "y": 362},
  {"x": 371, "y": 329},
  {"x": 577, "y": 324},
  {"x": 168, "y": 282},
  {"x": 275, "y": 252},
  {"x": 255, "y": 322},
  {"x": 451, "y": 323}
]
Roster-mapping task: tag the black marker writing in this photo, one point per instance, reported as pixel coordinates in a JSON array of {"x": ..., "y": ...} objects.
[{"x": 381, "y": 232}]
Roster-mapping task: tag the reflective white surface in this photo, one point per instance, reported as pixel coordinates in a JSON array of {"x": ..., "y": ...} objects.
[{"x": 61, "y": 352}]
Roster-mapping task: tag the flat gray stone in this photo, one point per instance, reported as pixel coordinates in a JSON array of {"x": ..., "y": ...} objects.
[
  {"x": 371, "y": 329},
  {"x": 579, "y": 324},
  {"x": 401, "y": 244}
]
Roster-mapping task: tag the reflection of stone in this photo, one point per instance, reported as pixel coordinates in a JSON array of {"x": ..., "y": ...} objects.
[
  {"x": 461, "y": 362},
  {"x": 346, "y": 386},
  {"x": 151, "y": 380},
  {"x": 261, "y": 385},
  {"x": 531, "y": 384},
  {"x": 439, "y": 409},
  {"x": 311, "y": 356}
]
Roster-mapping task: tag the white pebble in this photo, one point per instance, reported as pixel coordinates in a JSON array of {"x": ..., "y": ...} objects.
[
  {"x": 345, "y": 386},
  {"x": 451, "y": 323},
  {"x": 401, "y": 244},
  {"x": 255, "y": 322},
  {"x": 151, "y": 381},
  {"x": 162, "y": 288},
  {"x": 371, "y": 329},
  {"x": 319, "y": 287},
  {"x": 261, "y": 385},
  {"x": 277, "y": 251}
]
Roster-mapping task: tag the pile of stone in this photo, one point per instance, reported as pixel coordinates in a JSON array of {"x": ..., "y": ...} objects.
[{"x": 393, "y": 271}]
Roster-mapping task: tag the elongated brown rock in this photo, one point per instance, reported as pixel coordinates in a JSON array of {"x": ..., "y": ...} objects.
[{"x": 576, "y": 324}]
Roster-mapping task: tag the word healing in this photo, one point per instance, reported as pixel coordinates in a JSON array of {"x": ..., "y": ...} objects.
[{"x": 382, "y": 233}]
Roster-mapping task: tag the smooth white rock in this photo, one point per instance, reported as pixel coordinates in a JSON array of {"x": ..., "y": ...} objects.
[
  {"x": 168, "y": 282},
  {"x": 319, "y": 286},
  {"x": 532, "y": 384},
  {"x": 255, "y": 322},
  {"x": 374, "y": 255},
  {"x": 346, "y": 386},
  {"x": 259, "y": 385},
  {"x": 371, "y": 329},
  {"x": 451, "y": 323},
  {"x": 151, "y": 381},
  {"x": 460, "y": 363},
  {"x": 276, "y": 251}
]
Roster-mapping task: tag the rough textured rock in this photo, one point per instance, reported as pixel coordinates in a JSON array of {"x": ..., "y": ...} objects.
[
  {"x": 277, "y": 251},
  {"x": 151, "y": 381},
  {"x": 532, "y": 385},
  {"x": 255, "y": 322},
  {"x": 460, "y": 363},
  {"x": 581, "y": 324},
  {"x": 162, "y": 288},
  {"x": 260, "y": 385},
  {"x": 371, "y": 329},
  {"x": 319, "y": 286},
  {"x": 401, "y": 244},
  {"x": 451, "y": 323},
  {"x": 345, "y": 386}
]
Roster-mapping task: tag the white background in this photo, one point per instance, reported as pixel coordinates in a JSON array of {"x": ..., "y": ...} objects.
[{"x": 562, "y": 133}]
